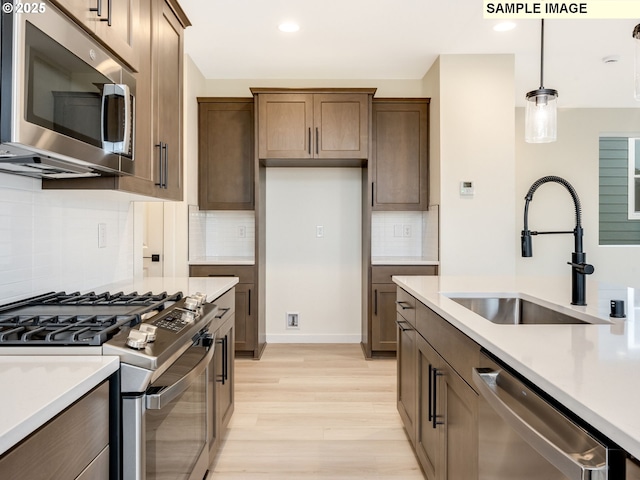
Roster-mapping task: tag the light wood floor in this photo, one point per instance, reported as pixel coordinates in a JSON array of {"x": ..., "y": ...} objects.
[{"x": 315, "y": 412}]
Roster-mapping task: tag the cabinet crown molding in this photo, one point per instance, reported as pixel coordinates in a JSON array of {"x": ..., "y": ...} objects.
[{"x": 256, "y": 90}]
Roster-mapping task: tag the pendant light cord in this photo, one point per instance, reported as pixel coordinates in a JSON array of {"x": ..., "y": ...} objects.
[{"x": 541, "y": 53}]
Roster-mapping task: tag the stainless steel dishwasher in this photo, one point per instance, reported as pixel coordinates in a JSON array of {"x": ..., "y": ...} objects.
[{"x": 523, "y": 436}]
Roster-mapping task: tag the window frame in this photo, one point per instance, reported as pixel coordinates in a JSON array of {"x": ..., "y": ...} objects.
[{"x": 632, "y": 213}]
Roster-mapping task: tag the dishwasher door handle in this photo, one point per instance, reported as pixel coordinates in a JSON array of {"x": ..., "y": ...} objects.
[{"x": 567, "y": 462}]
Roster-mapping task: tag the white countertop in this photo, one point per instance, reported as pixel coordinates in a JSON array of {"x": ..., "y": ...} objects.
[
  {"x": 222, "y": 261},
  {"x": 212, "y": 286},
  {"x": 403, "y": 261},
  {"x": 591, "y": 369},
  {"x": 36, "y": 389}
]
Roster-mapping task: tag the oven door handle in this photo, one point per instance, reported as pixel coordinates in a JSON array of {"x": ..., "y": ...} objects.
[
  {"x": 161, "y": 399},
  {"x": 568, "y": 463}
]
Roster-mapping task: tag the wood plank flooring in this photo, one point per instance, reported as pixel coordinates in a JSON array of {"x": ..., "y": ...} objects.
[{"x": 315, "y": 412}]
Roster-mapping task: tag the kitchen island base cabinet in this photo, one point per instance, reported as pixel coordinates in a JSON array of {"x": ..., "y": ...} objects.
[
  {"x": 75, "y": 444},
  {"x": 444, "y": 426}
]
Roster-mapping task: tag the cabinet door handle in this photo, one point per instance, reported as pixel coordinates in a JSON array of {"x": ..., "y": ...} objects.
[
  {"x": 430, "y": 394},
  {"x": 249, "y": 304},
  {"x": 97, "y": 8},
  {"x": 317, "y": 141},
  {"x": 160, "y": 164},
  {"x": 373, "y": 186},
  {"x": 375, "y": 302},
  {"x": 166, "y": 165},
  {"x": 225, "y": 364},
  {"x": 434, "y": 418},
  {"x": 309, "y": 142},
  {"x": 108, "y": 19}
]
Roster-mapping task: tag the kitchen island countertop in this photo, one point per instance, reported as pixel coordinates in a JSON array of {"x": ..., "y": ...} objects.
[
  {"x": 37, "y": 388},
  {"x": 591, "y": 369}
]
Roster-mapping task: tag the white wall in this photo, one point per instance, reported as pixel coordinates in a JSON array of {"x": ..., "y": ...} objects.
[
  {"x": 319, "y": 278},
  {"x": 475, "y": 133},
  {"x": 49, "y": 238},
  {"x": 574, "y": 156}
]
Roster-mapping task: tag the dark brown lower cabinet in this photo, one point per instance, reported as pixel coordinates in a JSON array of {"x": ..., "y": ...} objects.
[
  {"x": 383, "y": 325},
  {"x": 406, "y": 356},
  {"x": 221, "y": 376},
  {"x": 75, "y": 444},
  {"x": 249, "y": 329},
  {"x": 444, "y": 428},
  {"x": 379, "y": 316}
]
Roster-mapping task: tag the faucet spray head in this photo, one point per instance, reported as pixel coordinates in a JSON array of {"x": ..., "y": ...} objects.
[{"x": 527, "y": 247}]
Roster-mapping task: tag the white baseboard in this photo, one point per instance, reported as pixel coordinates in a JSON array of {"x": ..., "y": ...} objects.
[{"x": 313, "y": 338}]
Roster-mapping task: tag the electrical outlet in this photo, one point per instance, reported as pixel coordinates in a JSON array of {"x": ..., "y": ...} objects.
[
  {"x": 406, "y": 230},
  {"x": 242, "y": 231},
  {"x": 292, "y": 320},
  {"x": 397, "y": 230}
]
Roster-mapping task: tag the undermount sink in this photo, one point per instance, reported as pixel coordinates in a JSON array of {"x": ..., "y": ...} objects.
[{"x": 517, "y": 311}]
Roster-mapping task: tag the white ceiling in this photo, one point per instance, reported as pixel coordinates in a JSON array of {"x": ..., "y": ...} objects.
[{"x": 400, "y": 39}]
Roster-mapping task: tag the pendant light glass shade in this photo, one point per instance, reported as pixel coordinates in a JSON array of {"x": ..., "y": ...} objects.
[
  {"x": 541, "y": 116},
  {"x": 636, "y": 78},
  {"x": 541, "y": 112}
]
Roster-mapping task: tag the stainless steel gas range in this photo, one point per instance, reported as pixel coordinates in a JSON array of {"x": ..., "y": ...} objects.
[{"x": 166, "y": 348}]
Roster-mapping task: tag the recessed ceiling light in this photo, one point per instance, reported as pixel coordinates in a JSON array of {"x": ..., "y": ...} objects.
[
  {"x": 504, "y": 26},
  {"x": 289, "y": 27}
]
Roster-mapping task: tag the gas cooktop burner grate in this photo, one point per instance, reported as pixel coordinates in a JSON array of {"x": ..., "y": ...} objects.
[
  {"x": 60, "y": 318},
  {"x": 61, "y": 329},
  {"x": 107, "y": 298}
]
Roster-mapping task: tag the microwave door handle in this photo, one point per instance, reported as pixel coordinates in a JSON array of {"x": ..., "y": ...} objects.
[
  {"x": 486, "y": 381},
  {"x": 161, "y": 399},
  {"x": 119, "y": 90}
]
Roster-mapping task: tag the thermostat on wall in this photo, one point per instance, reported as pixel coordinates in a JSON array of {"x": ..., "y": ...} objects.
[{"x": 466, "y": 188}]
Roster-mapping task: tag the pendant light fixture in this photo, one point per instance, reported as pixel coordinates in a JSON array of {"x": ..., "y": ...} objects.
[{"x": 541, "y": 118}]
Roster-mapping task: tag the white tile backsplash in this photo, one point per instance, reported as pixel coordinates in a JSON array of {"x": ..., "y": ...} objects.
[
  {"x": 217, "y": 233},
  {"x": 389, "y": 239},
  {"x": 49, "y": 238}
]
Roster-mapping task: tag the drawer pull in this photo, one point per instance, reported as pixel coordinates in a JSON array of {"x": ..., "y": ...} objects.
[
  {"x": 401, "y": 324},
  {"x": 404, "y": 305}
]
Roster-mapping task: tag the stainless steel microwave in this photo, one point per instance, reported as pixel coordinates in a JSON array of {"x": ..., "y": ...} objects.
[{"x": 67, "y": 107}]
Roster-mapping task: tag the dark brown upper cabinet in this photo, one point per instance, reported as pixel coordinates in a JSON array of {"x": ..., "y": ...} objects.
[
  {"x": 400, "y": 154},
  {"x": 225, "y": 153},
  {"x": 313, "y": 124},
  {"x": 112, "y": 21}
]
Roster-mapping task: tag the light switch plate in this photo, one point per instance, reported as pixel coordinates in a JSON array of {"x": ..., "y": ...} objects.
[{"x": 466, "y": 188}]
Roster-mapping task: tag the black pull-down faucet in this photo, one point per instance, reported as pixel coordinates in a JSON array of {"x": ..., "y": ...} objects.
[{"x": 579, "y": 267}]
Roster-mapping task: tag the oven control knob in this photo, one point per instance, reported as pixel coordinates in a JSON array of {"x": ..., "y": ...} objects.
[
  {"x": 188, "y": 316},
  {"x": 137, "y": 339},
  {"x": 195, "y": 301},
  {"x": 150, "y": 330},
  {"x": 191, "y": 303}
]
